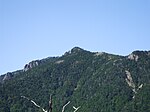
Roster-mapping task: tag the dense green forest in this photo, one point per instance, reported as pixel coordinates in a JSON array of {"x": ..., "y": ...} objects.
[{"x": 93, "y": 81}]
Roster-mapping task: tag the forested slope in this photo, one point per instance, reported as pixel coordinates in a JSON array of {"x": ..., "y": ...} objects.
[{"x": 93, "y": 81}]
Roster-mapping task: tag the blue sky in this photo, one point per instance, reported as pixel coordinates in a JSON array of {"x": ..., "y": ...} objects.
[{"x": 36, "y": 29}]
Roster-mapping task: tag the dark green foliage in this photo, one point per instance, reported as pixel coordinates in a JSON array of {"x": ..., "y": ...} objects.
[{"x": 94, "y": 82}]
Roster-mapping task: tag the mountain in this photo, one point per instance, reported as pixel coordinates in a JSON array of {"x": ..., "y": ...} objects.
[{"x": 91, "y": 81}]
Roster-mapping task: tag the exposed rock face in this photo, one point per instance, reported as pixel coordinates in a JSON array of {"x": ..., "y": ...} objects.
[
  {"x": 148, "y": 53},
  {"x": 136, "y": 55},
  {"x": 32, "y": 64},
  {"x": 98, "y": 53},
  {"x": 59, "y": 61},
  {"x": 8, "y": 76},
  {"x": 130, "y": 82},
  {"x": 133, "y": 57},
  {"x": 1, "y": 78}
]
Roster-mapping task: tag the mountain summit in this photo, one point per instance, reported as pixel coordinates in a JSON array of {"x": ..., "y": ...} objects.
[{"x": 81, "y": 80}]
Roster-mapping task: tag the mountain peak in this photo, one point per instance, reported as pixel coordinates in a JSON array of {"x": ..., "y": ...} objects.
[
  {"x": 118, "y": 82},
  {"x": 135, "y": 55},
  {"x": 76, "y": 49}
]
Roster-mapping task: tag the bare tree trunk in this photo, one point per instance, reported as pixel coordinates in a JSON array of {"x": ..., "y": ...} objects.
[
  {"x": 63, "y": 109},
  {"x": 75, "y": 109},
  {"x": 50, "y": 104},
  {"x": 35, "y": 104}
]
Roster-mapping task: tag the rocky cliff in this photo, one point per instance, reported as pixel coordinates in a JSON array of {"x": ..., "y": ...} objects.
[{"x": 31, "y": 65}]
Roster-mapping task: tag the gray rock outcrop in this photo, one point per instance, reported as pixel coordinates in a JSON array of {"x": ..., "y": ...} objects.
[
  {"x": 8, "y": 76},
  {"x": 32, "y": 64}
]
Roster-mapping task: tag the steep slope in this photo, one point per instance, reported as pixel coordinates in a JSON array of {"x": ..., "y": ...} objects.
[{"x": 95, "y": 82}]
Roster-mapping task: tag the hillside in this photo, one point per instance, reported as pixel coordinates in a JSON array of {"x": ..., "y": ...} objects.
[{"x": 93, "y": 81}]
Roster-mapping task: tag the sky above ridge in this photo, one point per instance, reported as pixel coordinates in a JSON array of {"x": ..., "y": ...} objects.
[{"x": 36, "y": 29}]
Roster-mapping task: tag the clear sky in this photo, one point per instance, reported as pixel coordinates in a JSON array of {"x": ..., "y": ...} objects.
[{"x": 36, "y": 29}]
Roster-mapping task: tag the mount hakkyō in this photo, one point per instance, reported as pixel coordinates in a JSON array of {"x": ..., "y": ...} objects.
[{"x": 92, "y": 81}]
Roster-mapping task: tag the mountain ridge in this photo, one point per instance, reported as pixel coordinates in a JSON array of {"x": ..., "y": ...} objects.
[
  {"x": 96, "y": 81},
  {"x": 75, "y": 49}
]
